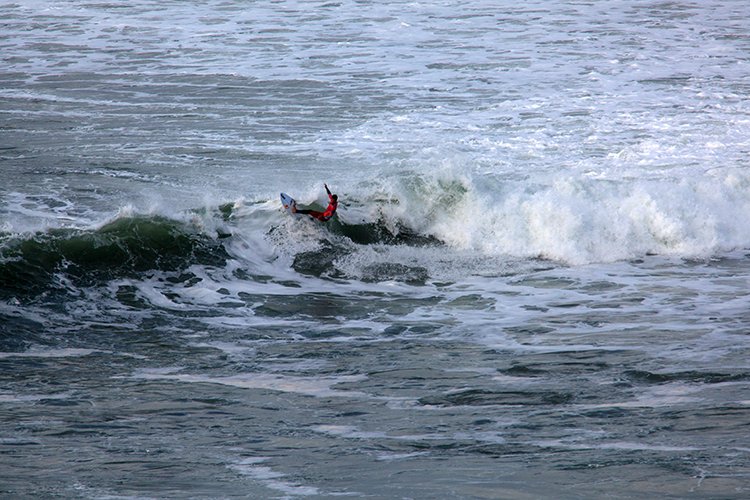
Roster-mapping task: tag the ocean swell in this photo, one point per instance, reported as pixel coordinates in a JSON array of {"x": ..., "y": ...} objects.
[{"x": 126, "y": 246}]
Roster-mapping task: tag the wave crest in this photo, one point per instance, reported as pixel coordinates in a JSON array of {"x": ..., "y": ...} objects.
[{"x": 124, "y": 247}]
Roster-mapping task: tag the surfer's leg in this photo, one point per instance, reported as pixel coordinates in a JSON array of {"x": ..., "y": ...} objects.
[{"x": 311, "y": 213}]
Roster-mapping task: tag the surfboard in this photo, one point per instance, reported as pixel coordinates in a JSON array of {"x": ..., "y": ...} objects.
[{"x": 287, "y": 202}]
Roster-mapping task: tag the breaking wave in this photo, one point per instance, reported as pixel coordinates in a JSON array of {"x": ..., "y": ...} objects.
[
  {"x": 410, "y": 228},
  {"x": 575, "y": 219},
  {"x": 126, "y": 246}
]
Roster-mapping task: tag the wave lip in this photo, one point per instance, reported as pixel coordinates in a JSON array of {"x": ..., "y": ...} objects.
[{"x": 124, "y": 247}]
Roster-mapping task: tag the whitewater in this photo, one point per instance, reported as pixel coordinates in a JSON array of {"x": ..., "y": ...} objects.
[{"x": 536, "y": 284}]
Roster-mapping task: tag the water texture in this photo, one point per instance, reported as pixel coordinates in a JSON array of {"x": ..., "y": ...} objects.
[{"x": 536, "y": 285}]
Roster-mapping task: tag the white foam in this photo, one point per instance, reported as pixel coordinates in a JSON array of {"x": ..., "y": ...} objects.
[
  {"x": 230, "y": 348},
  {"x": 391, "y": 457},
  {"x": 613, "y": 445},
  {"x": 574, "y": 219},
  {"x": 272, "y": 479},
  {"x": 322, "y": 386},
  {"x": 353, "y": 432},
  {"x": 673, "y": 394},
  {"x": 348, "y": 431},
  {"x": 31, "y": 398},
  {"x": 40, "y": 352}
]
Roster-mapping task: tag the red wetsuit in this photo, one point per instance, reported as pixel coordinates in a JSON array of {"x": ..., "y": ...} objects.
[{"x": 333, "y": 204}]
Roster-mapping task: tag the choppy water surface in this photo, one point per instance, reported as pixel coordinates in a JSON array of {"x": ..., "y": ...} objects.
[{"x": 536, "y": 285}]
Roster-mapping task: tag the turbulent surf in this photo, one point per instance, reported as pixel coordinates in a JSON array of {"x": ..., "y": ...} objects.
[{"x": 535, "y": 283}]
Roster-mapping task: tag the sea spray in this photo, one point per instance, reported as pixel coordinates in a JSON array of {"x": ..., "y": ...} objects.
[{"x": 570, "y": 219}]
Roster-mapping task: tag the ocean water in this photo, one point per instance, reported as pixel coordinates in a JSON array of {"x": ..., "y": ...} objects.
[{"x": 537, "y": 284}]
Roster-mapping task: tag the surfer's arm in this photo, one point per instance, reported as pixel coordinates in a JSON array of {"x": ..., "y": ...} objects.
[{"x": 330, "y": 196}]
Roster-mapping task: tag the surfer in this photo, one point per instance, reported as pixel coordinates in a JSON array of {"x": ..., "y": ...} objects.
[{"x": 333, "y": 203}]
